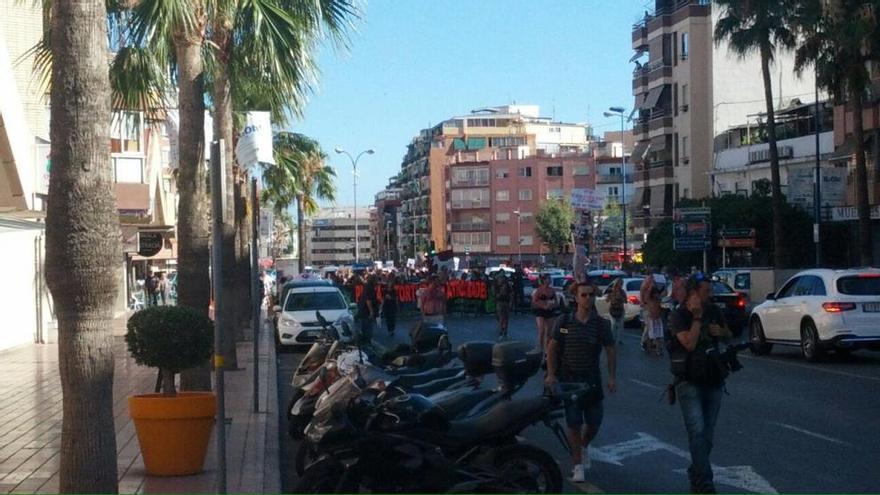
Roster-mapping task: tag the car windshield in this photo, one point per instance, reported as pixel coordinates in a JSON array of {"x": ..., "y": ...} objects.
[
  {"x": 634, "y": 285},
  {"x": 859, "y": 285},
  {"x": 311, "y": 301},
  {"x": 742, "y": 281},
  {"x": 720, "y": 289},
  {"x": 557, "y": 282}
]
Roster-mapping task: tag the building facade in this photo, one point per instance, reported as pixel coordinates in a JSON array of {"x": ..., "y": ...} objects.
[
  {"x": 330, "y": 236},
  {"x": 385, "y": 230},
  {"x": 688, "y": 89}
]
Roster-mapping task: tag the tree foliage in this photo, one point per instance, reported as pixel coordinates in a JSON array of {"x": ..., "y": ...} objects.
[{"x": 553, "y": 223}]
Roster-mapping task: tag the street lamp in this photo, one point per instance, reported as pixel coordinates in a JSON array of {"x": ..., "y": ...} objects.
[
  {"x": 619, "y": 112},
  {"x": 518, "y": 234},
  {"x": 387, "y": 239},
  {"x": 354, "y": 166}
]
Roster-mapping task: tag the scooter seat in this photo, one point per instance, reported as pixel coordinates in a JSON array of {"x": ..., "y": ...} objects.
[
  {"x": 455, "y": 403},
  {"x": 435, "y": 386},
  {"x": 498, "y": 420},
  {"x": 411, "y": 380}
]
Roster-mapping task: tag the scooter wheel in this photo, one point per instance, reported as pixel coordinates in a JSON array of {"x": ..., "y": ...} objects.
[
  {"x": 529, "y": 467},
  {"x": 305, "y": 455}
]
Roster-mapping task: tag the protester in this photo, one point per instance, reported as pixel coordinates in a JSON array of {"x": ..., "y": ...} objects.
[
  {"x": 432, "y": 301},
  {"x": 616, "y": 308},
  {"x": 573, "y": 354},
  {"x": 698, "y": 326},
  {"x": 389, "y": 304},
  {"x": 651, "y": 293},
  {"x": 544, "y": 305},
  {"x": 503, "y": 291},
  {"x": 368, "y": 309},
  {"x": 151, "y": 286}
]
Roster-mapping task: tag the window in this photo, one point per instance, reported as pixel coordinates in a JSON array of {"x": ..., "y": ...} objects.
[
  {"x": 582, "y": 170},
  {"x": 502, "y": 217},
  {"x": 525, "y": 216},
  {"x": 502, "y": 195},
  {"x": 555, "y": 171},
  {"x": 311, "y": 301},
  {"x": 126, "y": 133},
  {"x": 526, "y": 240},
  {"x": 506, "y": 142},
  {"x": 470, "y": 176},
  {"x": 525, "y": 171},
  {"x": 503, "y": 240},
  {"x": 525, "y": 194},
  {"x": 128, "y": 170},
  {"x": 684, "y": 148},
  {"x": 810, "y": 285},
  {"x": 501, "y": 173},
  {"x": 684, "y": 46},
  {"x": 685, "y": 193},
  {"x": 788, "y": 289},
  {"x": 612, "y": 191},
  {"x": 685, "y": 97},
  {"x": 555, "y": 194},
  {"x": 859, "y": 286}
]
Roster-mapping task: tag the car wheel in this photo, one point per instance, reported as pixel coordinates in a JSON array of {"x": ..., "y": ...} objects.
[
  {"x": 757, "y": 342},
  {"x": 810, "y": 345}
]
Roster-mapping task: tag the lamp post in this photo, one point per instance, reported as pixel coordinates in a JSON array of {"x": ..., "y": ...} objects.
[
  {"x": 387, "y": 240},
  {"x": 518, "y": 235},
  {"x": 619, "y": 112},
  {"x": 354, "y": 166}
]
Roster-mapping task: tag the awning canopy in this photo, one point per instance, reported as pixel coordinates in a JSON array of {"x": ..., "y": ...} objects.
[
  {"x": 641, "y": 149},
  {"x": 658, "y": 143},
  {"x": 641, "y": 51},
  {"x": 638, "y": 199},
  {"x": 848, "y": 148},
  {"x": 652, "y": 98}
]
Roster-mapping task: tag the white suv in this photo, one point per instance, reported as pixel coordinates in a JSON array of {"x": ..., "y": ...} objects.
[
  {"x": 298, "y": 324},
  {"x": 819, "y": 310}
]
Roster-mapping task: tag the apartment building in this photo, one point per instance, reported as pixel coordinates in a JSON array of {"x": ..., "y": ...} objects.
[
  {"x": 687, "y": 90},
  {"x": 505, "y": 133},
  {"x": 385, "y": 224},
  {"x": 330, "y": 236},
  {"x": 742, "y": 157}
]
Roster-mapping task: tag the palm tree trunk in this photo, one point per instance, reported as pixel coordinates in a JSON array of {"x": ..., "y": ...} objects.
[
  {"x": 83, "y": 244},
  {"x": 866, "y": 251},
  {"x": 779, "y": 257},
  {"x": 243, "y": 248},
  {"x": 193, "y": 287},
  {"x": 223, "y": 130},
  {"x": 301, "y": 232}
]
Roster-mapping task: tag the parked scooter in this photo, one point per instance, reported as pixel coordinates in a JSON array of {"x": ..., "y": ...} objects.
[{"x": 408, "y": 443}]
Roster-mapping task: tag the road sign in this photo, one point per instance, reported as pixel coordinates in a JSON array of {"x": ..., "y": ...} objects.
[
  {"x": 692, "y": 229},
  {"x": 737, "y": 242},
  {"x": 736, "y": 232}
]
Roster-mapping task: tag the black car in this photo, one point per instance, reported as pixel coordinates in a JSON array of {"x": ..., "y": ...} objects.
[{"x": 732, "y": 305}]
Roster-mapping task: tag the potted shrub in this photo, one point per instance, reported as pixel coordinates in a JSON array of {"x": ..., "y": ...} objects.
[{"x": 173, "y": 428}]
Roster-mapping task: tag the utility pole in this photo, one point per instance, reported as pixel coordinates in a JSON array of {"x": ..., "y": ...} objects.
[
  {"x": 817, "y": 197},
  {"x": 354, "y": 166}
]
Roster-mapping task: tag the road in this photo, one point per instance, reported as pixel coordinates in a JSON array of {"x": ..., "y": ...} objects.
[{"x": 786, "y": 425}]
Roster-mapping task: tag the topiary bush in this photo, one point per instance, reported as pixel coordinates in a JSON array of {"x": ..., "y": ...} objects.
[{"x": 170, "y": 338}]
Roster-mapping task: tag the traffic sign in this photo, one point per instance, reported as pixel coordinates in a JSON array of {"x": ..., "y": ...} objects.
[
  {"x": 734, "y": 232},
  {"x": 737, "y": 242},
  {"x": 691, "y": 244},
  {"x": 692, "y": 229}
]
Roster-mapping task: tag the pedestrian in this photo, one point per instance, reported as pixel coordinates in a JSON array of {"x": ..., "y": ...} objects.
[
  {"x": 389, "y": 304},
  {"x": 432, "y": 301},
  {"x": 616, "y": 308},
  {"x": 368, "y": 310},
  {"x": 151, "y": 285},
  {"x": 503, "y": 290},
  {"x": 651, "y": 294},
  {"x": 518, "y": 286},
  {"x": 162, "y": 288},
  {"x": 544, "y": 305},
  {"x": 573, "y": 355},
  {"x": 698, "y": 326}
]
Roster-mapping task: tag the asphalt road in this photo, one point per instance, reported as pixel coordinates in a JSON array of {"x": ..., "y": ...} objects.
[{"x": 786, "y": 425}]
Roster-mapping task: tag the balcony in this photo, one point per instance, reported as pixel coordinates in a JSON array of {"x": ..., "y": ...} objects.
[
  {"x": 476, "y": 182},
  {"x": 659, "y": 69},
  {"x": 661, "y": 170},
  {"x": 469, "y": 204},
  {"x": 471, "y": 227},
  {"x": 669, "y": 15},
  {"x": 639, "y": 35},
  {"x": 660, "y": 119},
  {"x": 640, "y": 79},
  {"x": 640, "y": 129},
  {"x": 613, "y": 178}
]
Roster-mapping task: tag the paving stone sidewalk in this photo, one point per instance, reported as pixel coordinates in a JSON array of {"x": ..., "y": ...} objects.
[{"x": 30, "y": 423}]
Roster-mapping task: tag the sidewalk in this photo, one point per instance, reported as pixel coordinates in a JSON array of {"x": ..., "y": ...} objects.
[{"x": 30, "y": 423}]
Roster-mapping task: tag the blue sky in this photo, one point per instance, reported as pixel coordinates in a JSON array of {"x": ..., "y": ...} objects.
[{"x": 413, "y": 63}]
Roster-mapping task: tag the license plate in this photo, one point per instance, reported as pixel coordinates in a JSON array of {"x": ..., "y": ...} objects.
[
  {"x": 721, "y": 305},
  {"x": 871, "y": 308}
]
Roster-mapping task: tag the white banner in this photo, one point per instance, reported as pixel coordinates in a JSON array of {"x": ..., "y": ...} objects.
[
  {"x": 255, "y": 142},
  {"x": 587, "y": 199},
  {"x": 801, "y": 187}
]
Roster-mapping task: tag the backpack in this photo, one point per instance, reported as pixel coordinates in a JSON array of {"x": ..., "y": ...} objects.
[{"x": 699, "y": 367}]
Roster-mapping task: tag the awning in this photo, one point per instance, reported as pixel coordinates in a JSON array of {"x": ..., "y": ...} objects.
[
  {"x": 638, "y": 199},
  {"x": 640, "y": 150},
  {"x": 641, "y": 51},
  {"x": 653, "y": 98},
  {"x": 476, "y": 143},
  {"x": 657, "y": 200},
  {"x": 132, "y": 196},
  {"x": 658, "y": 143},
  {"x": 458, "y": 144}
]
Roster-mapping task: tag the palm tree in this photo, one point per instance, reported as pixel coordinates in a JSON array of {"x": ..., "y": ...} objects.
[
  {"x": 763, "y": 26},
  {"x": 300, "y": 174},
  {"x": 840, "y": 37},
  {"x": 83, "y": 243}
]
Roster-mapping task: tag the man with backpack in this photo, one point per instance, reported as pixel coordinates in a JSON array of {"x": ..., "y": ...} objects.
[
  {"x": 573, "y": 356},
  {"x": 696, "y": 328}
]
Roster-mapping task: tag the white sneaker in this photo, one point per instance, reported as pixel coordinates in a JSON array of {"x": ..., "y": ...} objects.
[
  {"x": 585, "y": 456},
  {"x": 577, "y": 474}
]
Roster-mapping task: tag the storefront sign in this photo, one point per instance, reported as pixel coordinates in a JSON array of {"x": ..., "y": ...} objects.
[{"x": 149, "y": 243}]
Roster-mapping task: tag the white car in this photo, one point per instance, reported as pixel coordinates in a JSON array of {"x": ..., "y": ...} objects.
[
  {"x": 820, "y": 310},
  {"x": 298, "y": 324},
  {"x": 633, "y": 306}
]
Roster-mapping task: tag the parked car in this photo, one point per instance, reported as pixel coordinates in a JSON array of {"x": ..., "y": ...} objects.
[
  {"x": 603, "y": 278},
  {"x": 732, "y": 305},
  {"x": 820, "y": 310},
  {"x": 633, "y": 306},
  {"x": 298, "y": 325},
  {"x": 560, "y": 284}
]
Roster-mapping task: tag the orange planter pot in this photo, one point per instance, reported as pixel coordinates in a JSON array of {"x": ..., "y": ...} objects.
[{"x": 173, "y": 432}]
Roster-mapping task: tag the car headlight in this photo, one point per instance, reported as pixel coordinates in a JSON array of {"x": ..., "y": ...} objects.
[{"x": 292, "y": 324}]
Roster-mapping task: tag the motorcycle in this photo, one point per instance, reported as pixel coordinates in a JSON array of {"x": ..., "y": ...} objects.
[{"x": 408, "y": 443}]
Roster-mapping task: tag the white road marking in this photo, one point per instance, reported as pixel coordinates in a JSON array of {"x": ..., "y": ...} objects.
[
  {"x": 645, "y": 384},
  {"x": 813, "y": 368},
  {"x": 742, "y": 477},
  {"x": 812, "y": 434}
]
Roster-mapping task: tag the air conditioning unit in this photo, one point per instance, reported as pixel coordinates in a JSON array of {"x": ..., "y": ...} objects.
[{"x": 684, "y": 108}]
